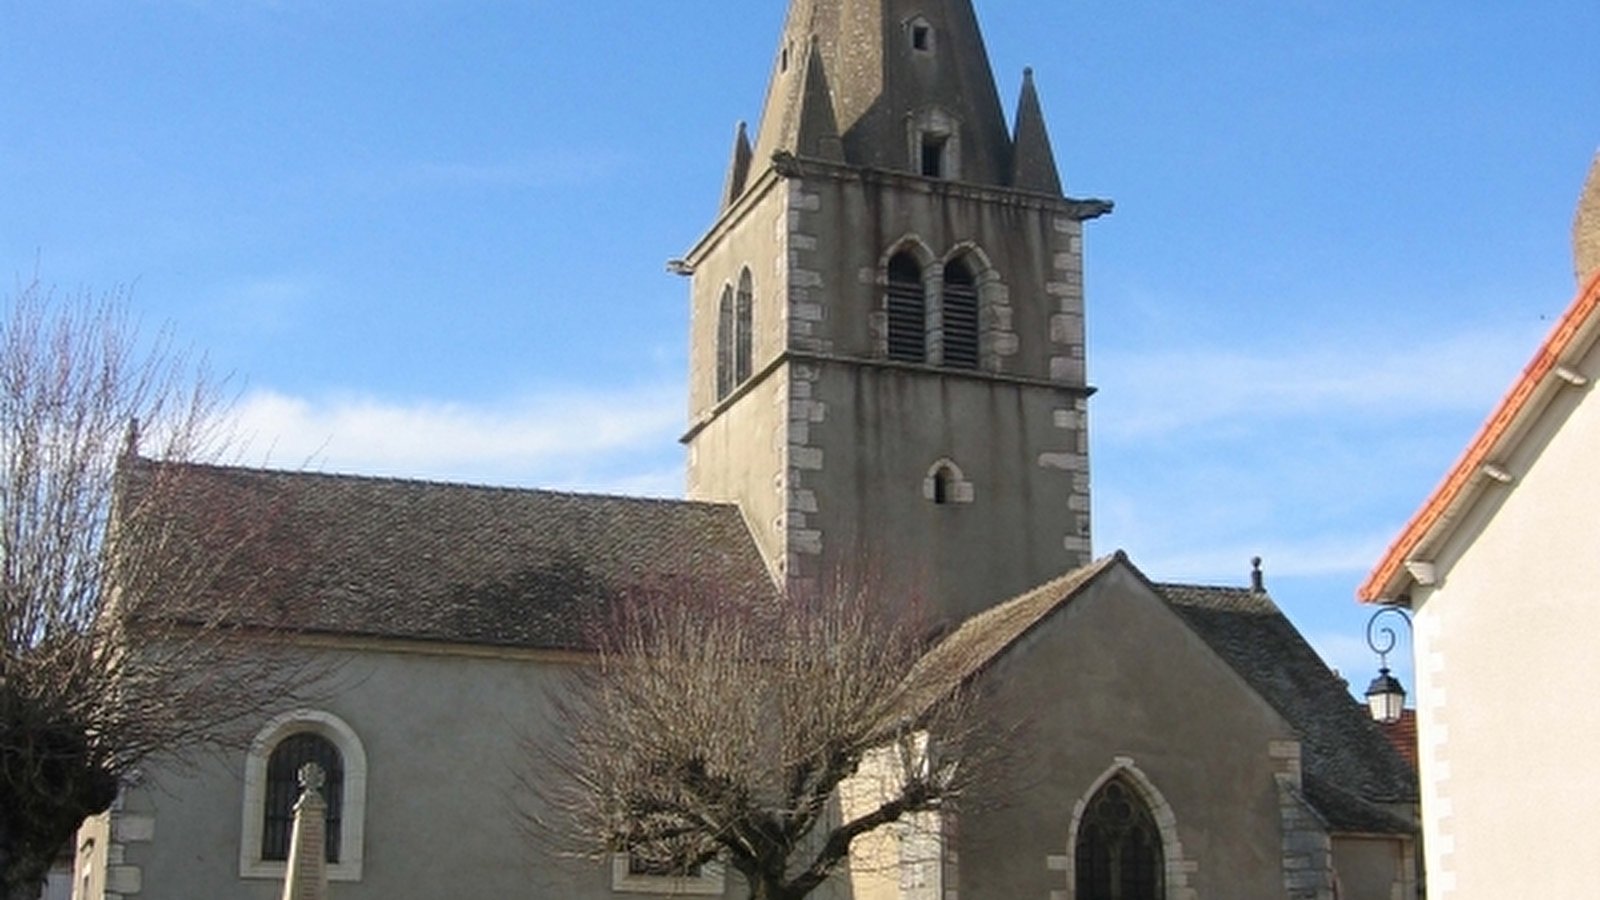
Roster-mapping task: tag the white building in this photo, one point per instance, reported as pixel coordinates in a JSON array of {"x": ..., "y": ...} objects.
[{"x": 1500, "y": 569}]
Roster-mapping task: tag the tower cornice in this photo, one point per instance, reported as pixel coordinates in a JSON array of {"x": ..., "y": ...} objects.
[{"x": 786, "y": 167}]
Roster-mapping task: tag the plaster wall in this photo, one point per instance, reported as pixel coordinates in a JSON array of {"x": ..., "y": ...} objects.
[
  {"x": 1117, "y": 676},
  {"x": 1506, "y": 672},
  {"x": 740, "y": 456},
  {"x": 1374, "y": 868},
  {"x": 444, "y": 740}
]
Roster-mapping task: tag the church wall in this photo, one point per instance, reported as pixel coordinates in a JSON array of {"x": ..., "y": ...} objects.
[
  {"x": 739, "y": 457},
  {"x": 865, "y": 446},
  {"x": 444, "y": 743},
  {"x": 1505, "y": 661},
  {"x": 753, "y": 235},
  {"x": 1028, "y": 250},
  {"x": 1116, "y": 679},
  {"x": 1016, "y": 516}
]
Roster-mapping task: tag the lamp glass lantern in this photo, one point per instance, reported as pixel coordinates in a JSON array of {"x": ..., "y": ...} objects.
[{"x": 1386, "y": 697}]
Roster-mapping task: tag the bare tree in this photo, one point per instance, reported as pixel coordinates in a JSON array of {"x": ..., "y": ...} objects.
[
  {"x": 115, "y": 646},
  {"x": 766, "y": 735}
]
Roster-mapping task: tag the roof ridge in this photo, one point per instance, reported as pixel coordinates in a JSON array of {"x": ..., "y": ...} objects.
[{"x": 356, "y": 477}]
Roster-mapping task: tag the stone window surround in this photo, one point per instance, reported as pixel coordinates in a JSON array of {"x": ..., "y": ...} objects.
[
  {"x": 353, "y": 825},
  {"x": 935, "y": 125},
  {"x": 1178, "y": 867},
  {"x": 996, "y": 339},
  {"x": 959, "y": 489}
]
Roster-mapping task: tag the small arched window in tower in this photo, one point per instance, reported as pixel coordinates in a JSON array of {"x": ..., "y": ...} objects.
[
  {"x": 944, "y": 484},
  {"x": 921, "y": 33},
  {"x": 907, "y": 308},
  {"x": 725, "y": 342},
  {"x": 743, "y": 351},
  {"x": 960, "y": 316},
  {"x": 1119, "y": 854},
  {"x": 933, "y": 154},
  {"x": 283, "y": 790}
]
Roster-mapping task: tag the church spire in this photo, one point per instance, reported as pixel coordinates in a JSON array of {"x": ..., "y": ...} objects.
[
  {"x": 1033, "y": 164},
  {"x": 907, "y": 86},
  {"x": 1586, "y": 227},
  {"x": 738, "y": 167}
]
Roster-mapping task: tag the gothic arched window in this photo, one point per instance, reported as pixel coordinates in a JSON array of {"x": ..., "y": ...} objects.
[
  {"x": 907, "y": 310},
  {"x": 725, "y": 332},
  {"x": 1119, "y": 854},
  {"x": 960, "y": 316},
  {"x": 742, "y": 334},
  {"x": 283, "y": 790}
]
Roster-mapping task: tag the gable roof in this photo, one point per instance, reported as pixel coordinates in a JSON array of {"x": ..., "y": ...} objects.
[
  {"x": 984, "y": 637},
  {"x": 1506, "y": 427},
  {"x": 1341, "y": 744},
  {"x": 417, "y": 560},
  {"x": 1349, "y": 765}
]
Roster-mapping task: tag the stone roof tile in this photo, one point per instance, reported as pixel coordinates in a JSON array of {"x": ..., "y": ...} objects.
[
  {"x": 447, "y": 562},
  {"x": 1342, "y": 746}
]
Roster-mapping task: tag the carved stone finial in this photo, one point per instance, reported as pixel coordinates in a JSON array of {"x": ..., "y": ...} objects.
[
  {"x": 311, "y": 777},
  {"x": 1258, "y": 578}
]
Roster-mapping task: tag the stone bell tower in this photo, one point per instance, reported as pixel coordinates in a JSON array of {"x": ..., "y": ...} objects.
[{"x": 887, "y": 333}]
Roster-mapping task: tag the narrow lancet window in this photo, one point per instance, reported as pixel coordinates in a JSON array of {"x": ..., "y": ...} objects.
[
  {"x": 960, "y": 316},
  {"x": 743, "y": 350},
  {"x": 907, "y": 310},
  {"x": 933, "y": 147},
  {"x": 725, "y": 341}
]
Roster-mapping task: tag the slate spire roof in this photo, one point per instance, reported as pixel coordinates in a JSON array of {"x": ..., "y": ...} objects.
[
  {"x": 850, "y": 73},
  {"x": 1033, "y": 163},
  {"x": 1586, "y": 227}
]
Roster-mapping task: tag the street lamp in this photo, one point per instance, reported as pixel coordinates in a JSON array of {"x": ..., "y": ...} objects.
[{"x": 1386, "y": 697}]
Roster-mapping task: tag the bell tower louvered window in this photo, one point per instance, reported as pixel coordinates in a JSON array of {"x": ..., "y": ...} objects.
[
  {"x": 960, "y": 316},
  {"x": 283, "y": 790},
  {"x": 907, "y": 310},
  {"x": 1119, "y": 855}
]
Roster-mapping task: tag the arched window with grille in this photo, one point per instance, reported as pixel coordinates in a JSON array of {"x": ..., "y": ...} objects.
[
  {"x": 907, "y": 309},
  {"x": 272, "y": 787},
  {"x": 725, "y": 339},
  {"x": 743, "y": 349},
  {"x": 960, "y": 316},
  {"x": 1119, "y": 855},
  {"x": 283, "y": 790}
]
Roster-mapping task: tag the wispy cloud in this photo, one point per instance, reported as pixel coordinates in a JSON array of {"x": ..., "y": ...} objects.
[
  {"x": 1164, "y": 391},
  {"x": 620, "y": 441},
  {"x": 1333, "y": 553}
]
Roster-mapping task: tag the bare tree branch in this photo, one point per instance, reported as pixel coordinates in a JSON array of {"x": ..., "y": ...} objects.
[
  {"x": 124, "y": 589},
  {"x": 724, "y": 728}
]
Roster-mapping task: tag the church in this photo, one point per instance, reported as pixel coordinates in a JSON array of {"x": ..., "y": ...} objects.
[{"x": 887, "y": 370}]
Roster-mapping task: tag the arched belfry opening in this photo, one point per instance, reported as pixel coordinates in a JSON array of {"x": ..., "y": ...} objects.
[
  {"x": 960, "y": 315},
  {"x": 907, "y": 309}
]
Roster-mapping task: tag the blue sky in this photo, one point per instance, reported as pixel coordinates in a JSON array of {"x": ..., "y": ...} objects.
[{"x": 426, "y": 237}]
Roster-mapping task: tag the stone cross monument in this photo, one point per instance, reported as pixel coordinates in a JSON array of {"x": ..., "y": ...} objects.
[{"x": 306, "y": 876}]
